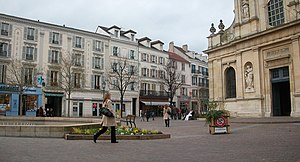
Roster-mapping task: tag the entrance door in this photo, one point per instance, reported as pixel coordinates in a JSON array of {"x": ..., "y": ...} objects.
[
  {"x": 80, "y": 109},
  {"x": 281, "y": 100}
]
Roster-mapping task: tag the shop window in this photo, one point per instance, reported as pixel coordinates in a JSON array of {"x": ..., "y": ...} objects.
[
  {"x": 30, "y": 102},
  {"x": 2, "y": 73},
  {"x": 4, "y": 103}
]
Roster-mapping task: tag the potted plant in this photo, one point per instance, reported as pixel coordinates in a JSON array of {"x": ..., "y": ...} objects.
[{"x": 218, "y": 119}]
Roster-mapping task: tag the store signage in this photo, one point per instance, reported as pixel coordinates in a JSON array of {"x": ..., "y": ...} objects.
[
  {"x": 8, "y": 88},
  {"x": 220, "y": 130}
]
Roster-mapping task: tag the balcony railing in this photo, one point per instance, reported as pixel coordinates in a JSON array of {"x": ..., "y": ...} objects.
[{"x": 150, "y": 93}]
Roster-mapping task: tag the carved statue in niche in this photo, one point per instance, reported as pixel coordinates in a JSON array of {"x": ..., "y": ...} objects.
[
  {"x": 245, "y": 8},
  {"x": 249, "y": 78}
]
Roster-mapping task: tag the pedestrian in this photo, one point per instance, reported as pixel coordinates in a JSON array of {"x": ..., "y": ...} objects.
[
  {"x": 107, "y": 121},
  {"x": 166, "y": 115},
  {"x": 142, "y": 114},
  {"x": 40, "y": 112},
  {"x": 148, "y": 113},
  {"x": 152, "y": 114}
]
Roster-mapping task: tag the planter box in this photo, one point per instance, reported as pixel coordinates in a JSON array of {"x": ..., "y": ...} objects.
[
  {"x": 119, "y": 137},
  {"x": 220, "y": 125}
]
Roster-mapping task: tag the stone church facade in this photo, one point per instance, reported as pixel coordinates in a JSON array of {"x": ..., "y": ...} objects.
[{"x": 254, "y": 65}]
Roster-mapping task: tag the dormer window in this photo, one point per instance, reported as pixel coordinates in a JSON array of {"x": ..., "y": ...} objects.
[
  {"x": 132, "y": 37},
  {"x": 117, "y": 33}
]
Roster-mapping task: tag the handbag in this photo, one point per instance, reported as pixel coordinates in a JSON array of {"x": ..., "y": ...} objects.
[{"x": 105, "y": 111}]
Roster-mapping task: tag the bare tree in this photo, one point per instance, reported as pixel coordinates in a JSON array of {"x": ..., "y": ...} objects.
[
  {"x": 172, "y": 80},
  {"x": 122, "y": 75},
  {"x": 70, "y": 81},
  {"x": 16, "y": 77}
]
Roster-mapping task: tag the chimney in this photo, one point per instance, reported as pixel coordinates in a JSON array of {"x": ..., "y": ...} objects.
[
  {"x": 185, "y": 47},
  {"x": 171, "y": 46}
]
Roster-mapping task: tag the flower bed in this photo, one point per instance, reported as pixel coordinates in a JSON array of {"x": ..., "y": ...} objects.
[{"x": 122, "y": 133}]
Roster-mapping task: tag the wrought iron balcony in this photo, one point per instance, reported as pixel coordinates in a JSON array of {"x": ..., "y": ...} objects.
[{"x": 150, "y": 93}]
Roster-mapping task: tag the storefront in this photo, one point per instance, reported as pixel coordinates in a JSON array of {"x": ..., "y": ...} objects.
[
  {"x": 31, "y": 100},
  {"x": 9, "y": 100},
  {"x": 53, "y": 104}
]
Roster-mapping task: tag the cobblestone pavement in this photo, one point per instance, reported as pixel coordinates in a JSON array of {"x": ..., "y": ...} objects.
[{"x": 190, "y": 141}]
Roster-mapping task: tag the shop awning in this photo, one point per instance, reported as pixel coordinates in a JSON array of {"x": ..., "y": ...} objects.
[
  {"x": 155, "y": 103},
  {"x": 47, "y": 94}
]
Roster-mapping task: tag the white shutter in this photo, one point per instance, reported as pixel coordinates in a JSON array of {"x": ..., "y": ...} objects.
[
  {"x": 24, "y": 53},
  {"x": 92, "y": 82},
  {"x": 36, "y": 34},
  {"x": 82, "y": 43},
  {"x": 35, "y": 54},
  {"x": 94, "y": 45},
  {"x": 60, "y": 39},
  {"x": 25, "y": 33},
  {"x": 50, "y": 37},
  {"x": 9, "y": 51},
  {"x": 10, "y": 30},
  {"x": 49, "y": 56}
]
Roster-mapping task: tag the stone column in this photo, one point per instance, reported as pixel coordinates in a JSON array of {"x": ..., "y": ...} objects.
[
  {"x": 295, "y": 98},
  {"x": 239, "y": 76}
]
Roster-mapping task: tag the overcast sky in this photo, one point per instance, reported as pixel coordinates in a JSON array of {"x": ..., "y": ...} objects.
[{"x": 181, "y": 21}]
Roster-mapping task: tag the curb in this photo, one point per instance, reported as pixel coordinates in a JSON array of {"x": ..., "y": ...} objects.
[{"x": 119, "y": 137}]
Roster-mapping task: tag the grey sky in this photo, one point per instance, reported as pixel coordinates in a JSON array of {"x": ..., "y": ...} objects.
[{"x": 181, "y": 21}]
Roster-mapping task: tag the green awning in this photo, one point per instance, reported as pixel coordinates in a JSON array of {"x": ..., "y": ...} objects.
[{"x": 48, "y": 94}]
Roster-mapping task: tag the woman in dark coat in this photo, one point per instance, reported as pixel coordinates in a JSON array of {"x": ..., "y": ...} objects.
[{"x": 108, "y": 121}]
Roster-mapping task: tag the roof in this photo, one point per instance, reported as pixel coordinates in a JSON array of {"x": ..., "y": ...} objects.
[
  {"x": 174, "y": 56},
  {"x": 129, "y": 31},
  {"x": 156, "y": 42},
  {"x": 144, "y": 38}
]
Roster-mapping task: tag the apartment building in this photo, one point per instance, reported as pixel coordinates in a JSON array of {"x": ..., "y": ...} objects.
[
  {"x": 123, "y": 48},
  {"x": 254, "y": 63},
  {"x": 193, "y": 67},
  {"x": 152, "y": 61}
]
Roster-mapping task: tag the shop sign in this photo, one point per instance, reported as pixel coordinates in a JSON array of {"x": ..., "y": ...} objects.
[
  {"x": 8, "y": 88},
  {"x": 220, "y": 130}
]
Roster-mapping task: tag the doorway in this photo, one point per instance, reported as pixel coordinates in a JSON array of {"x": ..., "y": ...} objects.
[{"x": 281, "y": 100}]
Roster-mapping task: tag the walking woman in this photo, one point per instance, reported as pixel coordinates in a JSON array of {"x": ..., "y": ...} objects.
[
  {"x": 107, "y": 121},
  {"x": 166, "y": 115}
]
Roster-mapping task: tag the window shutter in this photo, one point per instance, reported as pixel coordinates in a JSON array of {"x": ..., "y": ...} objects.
[
  {"x": 92, "y": 82},
  {"x": 101, "y": 46},
  {"x": 59, "y": 57},
  {"x": 25, "y": 33},
  {"x": 74, "y": 41},
  {"x": 35, "y": 54},
  {"x": 59, "y": 79},
  {"x": 49, "y": 56},
  {"x": 102, "y": 63},
  {"x": 9, "y": 51},
  {"x": 119, "y": 53},
  {"x": 82, "y": 44},
  {"x": 34, "y": 75},
  {"x": 36, "y": 34},
  {"x": 48, "y": 78},
  {"x": 50, "y": 37},
  {"x": 22, "y": 75},
  {"x": 93, "y": 63},
  {"x": 82, "y": 81},
  {"x": 24, "y": 53},
  {"x": 94, "y": 45},
  {"x": 10, "y": 30},
  {"x": 60, "y": 39},
  {"x": 82, "y": 60}
]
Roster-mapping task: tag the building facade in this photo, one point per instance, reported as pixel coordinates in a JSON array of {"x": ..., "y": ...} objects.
[
  {"x": 194, "y": 92},
  {"x": 152, "y": 62},
  {"x": 254, "y": 64}
]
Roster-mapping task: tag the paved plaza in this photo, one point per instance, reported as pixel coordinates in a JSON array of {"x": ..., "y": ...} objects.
[{"x": 253, "y": 140}]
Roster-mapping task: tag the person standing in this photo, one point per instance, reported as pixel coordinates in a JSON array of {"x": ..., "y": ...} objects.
[
  {"x": 166, "y": 115},
  {"x": 107, "y": 121}
]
